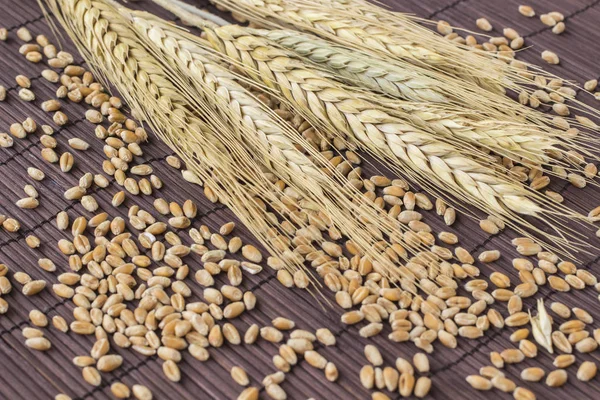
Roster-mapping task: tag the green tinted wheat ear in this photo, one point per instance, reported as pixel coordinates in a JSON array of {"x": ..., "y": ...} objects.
[
  {"x": 371, "y": 37},
  {"x": 357, "y": 68}
]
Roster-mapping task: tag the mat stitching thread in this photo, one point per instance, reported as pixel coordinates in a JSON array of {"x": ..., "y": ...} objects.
[
  {"x": 29, "y": 21},
  {"x": 441, "y": 10},
  {"x": 575, "y": 13}
]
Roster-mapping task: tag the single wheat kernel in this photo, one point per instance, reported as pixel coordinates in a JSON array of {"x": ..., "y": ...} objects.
[
  {"x": 92, "y": 376},
  {"x": 521, "y": 393},
  {"x": 422, "y": 387},
  {"x": 239, "y": 376},
  {"x": 484, "y": 24},
  {"x": 527, "y": 11},
  {"x": 373, "y": 355},
  {"x": 503, "y": 384},
  {"x": 38, "y": 319},
  {"x": 532, "y": 374},
  {"x": 60, "y": 118},
  {"x": 27, "y": 203},
  {"x": 26, "y": 95},
  {"x": 120, "y": 390},
  {"x": 38, "y": 343},
  {"x": 479, "y": 382},
  {"x": 587, "y": 371},
  {"x": 250, "y": 393},
  {"x": 557, "y": 16},
  {"x": 550, "y": 57},
  {"x": 559, "y": 28},
  {"x": 444, "y": 28},
  {"x": 556, "y": 378},
  {"x": 24, "y": 34},
  {"x": 489, "y": 256},
  {"x": 141, "y": 392},
  {"x": 547, "y": 20}
]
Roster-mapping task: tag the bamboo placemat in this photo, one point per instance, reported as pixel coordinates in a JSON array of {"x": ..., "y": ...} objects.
[{"x": 26, "y": 374}]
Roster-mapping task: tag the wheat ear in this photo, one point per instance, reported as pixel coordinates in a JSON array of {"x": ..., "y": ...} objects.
[
  {"x": 530, "y": 140},
  {"x": 340, "y": 110},
  {"x": 238, "y": 35}
]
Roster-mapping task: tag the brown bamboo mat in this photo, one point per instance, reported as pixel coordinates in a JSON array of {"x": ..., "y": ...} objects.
[{"x": 26, "y": 374}]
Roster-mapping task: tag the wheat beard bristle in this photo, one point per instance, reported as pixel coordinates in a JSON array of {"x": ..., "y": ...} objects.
[{"x": 272, "y": 137}]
